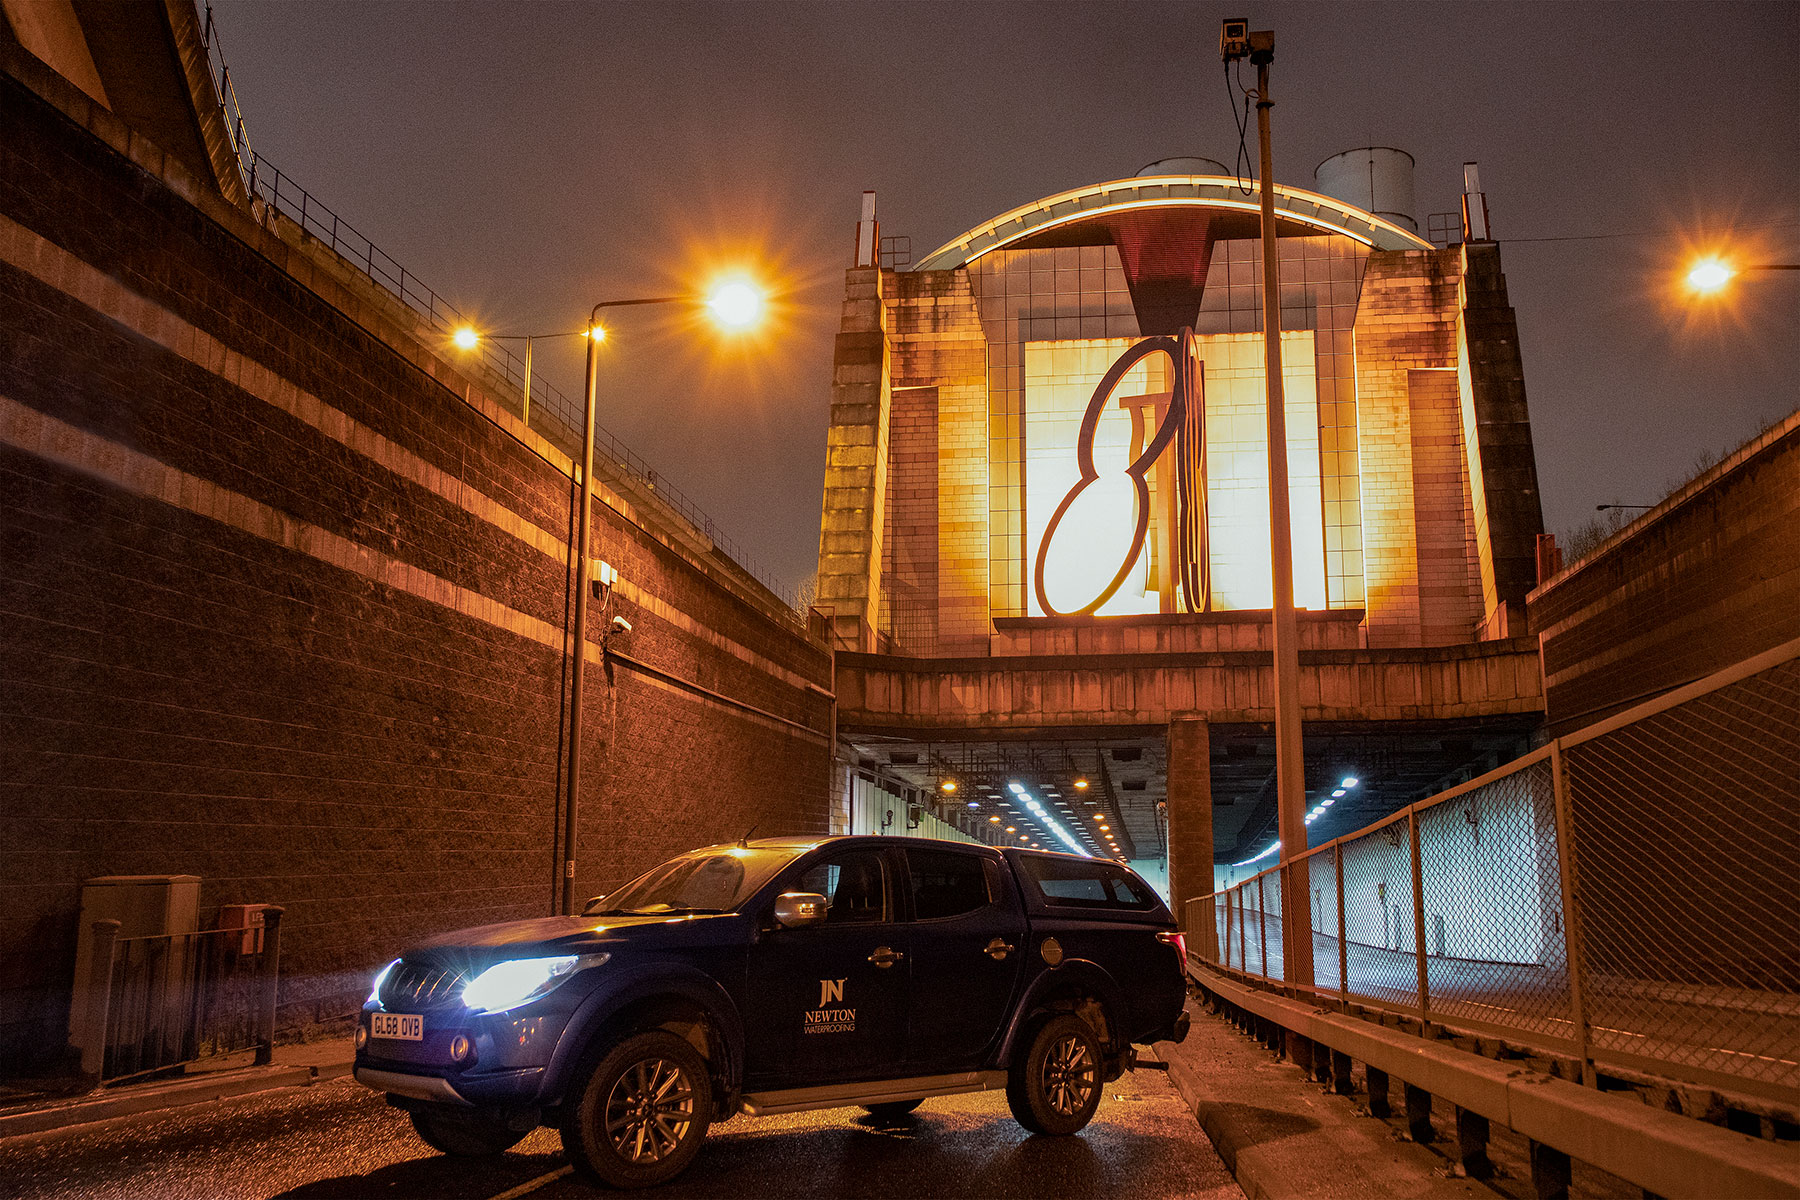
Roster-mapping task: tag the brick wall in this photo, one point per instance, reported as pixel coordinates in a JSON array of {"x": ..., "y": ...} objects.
[
  {"x": 938, "y": 345},
  {"x": 282, "y": 599},
  {"x": 909, "y": 567},
  {"x": 853, "y": 524},
  {"x": 1449, "y": 596},
  {"x": 1502, "y": 468},
  {"x": 1708, "y": 578},
  {"x": 1405, "y": 322}
]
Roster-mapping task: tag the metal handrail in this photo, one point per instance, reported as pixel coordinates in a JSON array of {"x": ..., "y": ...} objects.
[
  {"x": 264, "y": 181},
  {"x": 227, "y": 98}
]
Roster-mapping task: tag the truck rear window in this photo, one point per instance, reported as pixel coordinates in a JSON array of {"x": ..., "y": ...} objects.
[{"x": 1076, "y": 883}]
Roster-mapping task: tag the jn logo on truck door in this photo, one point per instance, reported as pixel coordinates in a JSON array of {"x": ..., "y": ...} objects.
[{"x": 831, "y": 1020}]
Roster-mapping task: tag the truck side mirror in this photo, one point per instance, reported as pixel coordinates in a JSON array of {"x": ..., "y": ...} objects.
[{"x": 797, "y": 910}]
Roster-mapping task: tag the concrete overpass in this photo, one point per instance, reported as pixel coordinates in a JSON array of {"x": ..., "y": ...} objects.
[{"x": 1201, "y": 718}]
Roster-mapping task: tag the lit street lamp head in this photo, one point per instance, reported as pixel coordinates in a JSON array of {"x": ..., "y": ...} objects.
[
  {"x": 465, "y": 337},
  {"x": 1709, "y": 275},
  {"x": 736, "y": 305}
]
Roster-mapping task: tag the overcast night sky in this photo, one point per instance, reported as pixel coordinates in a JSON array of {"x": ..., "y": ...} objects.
[{"x": 525, "y": 160}]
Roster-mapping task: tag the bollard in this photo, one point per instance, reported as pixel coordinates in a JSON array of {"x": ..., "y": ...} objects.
[
  {"x": 1341, "y": 1083},
  {"x": 1549, "y": 1171},
  {"x": 271, "y": 969},
  {"x": 1472, "y": 1144},
  {"x": 1378, "y": 1093},
  {"x": 93, "y": 1044},
  {"x": 1299, "y": 1050},
  {"x": 1418, "y": 1115}
]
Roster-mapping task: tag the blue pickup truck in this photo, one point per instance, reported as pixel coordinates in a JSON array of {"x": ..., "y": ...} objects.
[{"x": 775, "y": 976}]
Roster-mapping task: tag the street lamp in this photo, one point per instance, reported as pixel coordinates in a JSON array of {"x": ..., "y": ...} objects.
[
  {"x": 467, "y": 337},
  {"x": 1708, "y": 276},
  {"x": 734, "y": 305}
]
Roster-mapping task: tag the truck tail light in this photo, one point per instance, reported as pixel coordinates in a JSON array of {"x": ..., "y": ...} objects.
[{"x": 1176, "y": 940}]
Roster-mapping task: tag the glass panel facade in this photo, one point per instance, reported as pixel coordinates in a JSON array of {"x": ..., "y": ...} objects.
[{"x": 1079, "y": 295}]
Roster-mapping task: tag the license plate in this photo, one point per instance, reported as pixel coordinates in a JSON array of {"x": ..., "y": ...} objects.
[{"x": 407, "y": 1027}]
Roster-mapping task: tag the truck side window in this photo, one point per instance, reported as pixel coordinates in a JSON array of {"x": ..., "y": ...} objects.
[
  {"x": 854, "y": 887},
  {"x": 1087, "y": 884},
  {"x": 945, "y": 883}
]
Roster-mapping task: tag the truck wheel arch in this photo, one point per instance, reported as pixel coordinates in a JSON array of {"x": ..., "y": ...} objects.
[
  {"x": 1076, "y": 985},
  {"x": 687, "y": 1003}
]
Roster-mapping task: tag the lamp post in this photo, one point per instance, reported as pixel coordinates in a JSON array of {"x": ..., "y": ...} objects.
[
  {"x": 736, "y": 306},
  {"x": 1238, "y": 41}
]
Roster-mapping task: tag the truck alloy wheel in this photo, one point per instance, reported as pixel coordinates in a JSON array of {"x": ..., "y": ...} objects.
[
  {"x": 1054, "y": 1086},
  {"x": 641, "y": 1116},
  {"x": 466, "y": 1135}
]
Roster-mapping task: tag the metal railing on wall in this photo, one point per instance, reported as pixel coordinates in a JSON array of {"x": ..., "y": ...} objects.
[
  {"x": 166, "y": 1000},
  {"x": 551, "y": 412},
  {"x": 1624, "y": 896}
]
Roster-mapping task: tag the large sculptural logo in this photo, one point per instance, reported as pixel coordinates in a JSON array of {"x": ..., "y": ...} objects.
[{"x": 1167, "y": 471}]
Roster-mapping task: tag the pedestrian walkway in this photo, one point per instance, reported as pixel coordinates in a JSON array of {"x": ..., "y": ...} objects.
[
  {"x": 55, "y": 1104},
  {"x": 1283, "y": 1135}
]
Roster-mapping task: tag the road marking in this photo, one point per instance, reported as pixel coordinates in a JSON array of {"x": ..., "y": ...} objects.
[{"x": 532, "y": 1185}]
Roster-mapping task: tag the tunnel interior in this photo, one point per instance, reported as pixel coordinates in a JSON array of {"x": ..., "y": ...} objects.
[{"x": 1108, "y": 796}]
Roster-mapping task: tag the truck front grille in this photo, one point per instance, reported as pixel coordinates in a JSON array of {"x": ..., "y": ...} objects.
[{"x": 420, "y": 985}]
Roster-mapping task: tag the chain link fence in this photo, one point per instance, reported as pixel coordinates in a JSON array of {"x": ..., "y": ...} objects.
[{"x": 1628, "y": 896}]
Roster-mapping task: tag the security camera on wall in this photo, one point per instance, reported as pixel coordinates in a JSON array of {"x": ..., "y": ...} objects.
[{"x": 621, "y": 625}]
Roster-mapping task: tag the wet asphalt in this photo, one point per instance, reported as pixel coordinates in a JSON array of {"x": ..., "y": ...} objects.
[{"x": 339, "y": 1140}]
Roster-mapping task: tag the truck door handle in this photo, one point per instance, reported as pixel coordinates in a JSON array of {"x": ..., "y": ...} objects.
[
  {"x": 998, "y": 949},
  {"x": 886, "y": 956}
]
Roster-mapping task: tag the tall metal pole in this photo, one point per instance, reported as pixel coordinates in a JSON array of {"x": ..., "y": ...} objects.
[
  {"x": 525, "y": 405},
  {"x": 1290, "y": 767},
  {"x": 572, "y": 808}
]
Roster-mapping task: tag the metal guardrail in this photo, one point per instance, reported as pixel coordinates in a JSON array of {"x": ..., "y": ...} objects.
[
  {"x": 170, "y": 999},
  {"x": 1624, "y": 896},
  {"x": 553, "y": 413}
]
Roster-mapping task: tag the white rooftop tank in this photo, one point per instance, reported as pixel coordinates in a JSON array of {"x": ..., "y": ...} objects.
[
  {"x": 1377, "y": 179},
  {"x": 1184, "y": 166}
]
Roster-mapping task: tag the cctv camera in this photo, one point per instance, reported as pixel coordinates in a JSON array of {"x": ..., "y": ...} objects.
[
  {"x": 1234, "y": 38},
  {"x": 621, "y": 625}
]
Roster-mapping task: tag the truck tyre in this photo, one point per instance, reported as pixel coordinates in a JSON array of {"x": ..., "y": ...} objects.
[
  {"x": 1054, "y": 1085},
  {"x": 465, "y": 1135},
  {"x": 638, "y": 1119},
  {"x": 891, "y": 1110}
]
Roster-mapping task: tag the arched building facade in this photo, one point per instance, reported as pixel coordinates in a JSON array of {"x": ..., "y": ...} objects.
[{"x": 1045, "y": 526}]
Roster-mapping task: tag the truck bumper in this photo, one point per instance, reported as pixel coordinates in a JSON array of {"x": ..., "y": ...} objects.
[{"x": 413, "y": 1087}]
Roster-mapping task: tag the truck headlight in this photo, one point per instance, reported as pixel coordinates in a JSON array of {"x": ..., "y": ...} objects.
[{"x": 521, "y": 980}]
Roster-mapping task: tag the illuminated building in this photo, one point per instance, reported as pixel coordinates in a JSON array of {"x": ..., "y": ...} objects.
[{"x": 960, "y": 522}]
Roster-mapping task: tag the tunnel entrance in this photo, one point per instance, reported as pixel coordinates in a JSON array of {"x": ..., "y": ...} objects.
[{"x": 1109, "y": 796}]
